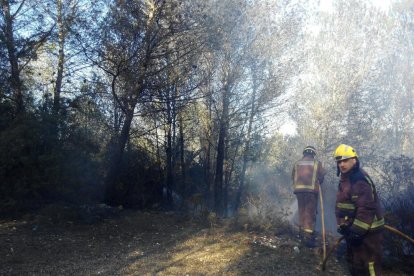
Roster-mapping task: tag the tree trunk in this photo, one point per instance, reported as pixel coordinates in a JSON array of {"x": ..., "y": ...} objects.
[
  {"x": 168, "y": 199},
  {"x": 16, "y": 86},
  {"x": 115, "y": 161},
  {"x": 157, "y": 143},
  {"x": 183, "y": 188},
  {"x": 61, "y": 57},
  {"x": 246, "y": 153},
  {"x": 209, "y": 188},
  {"x": 227, "y": 177},
  {"x": 218, "y": 181}
]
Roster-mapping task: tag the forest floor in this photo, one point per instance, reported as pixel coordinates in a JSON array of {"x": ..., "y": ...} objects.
[{"x": 153, "y": 243}]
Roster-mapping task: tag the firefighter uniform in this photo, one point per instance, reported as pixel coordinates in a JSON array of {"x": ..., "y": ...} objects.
[
  {"x": 359, "y": 217},
  {"x": 307, "y": 176}
]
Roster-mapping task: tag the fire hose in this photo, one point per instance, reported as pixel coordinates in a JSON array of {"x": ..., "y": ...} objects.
[
  {"x": 338, "y": 241},
  {"x": 323, "y": 224}
]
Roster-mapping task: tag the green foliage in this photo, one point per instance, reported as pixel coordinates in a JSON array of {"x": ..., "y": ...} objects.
[
  {"x": 6, "y": 111},
  {"x": 398, "y": 197},
  {"x": 195, "y": 182},
  {"x": 399, "y": 172},
  {"x": 39, "y": 164},
  {"x": 399, "y": 214},
  {"x": 21, "y": 146},
  {"x": 277, "y": 153},
  {"x": 140, "y": 180}
]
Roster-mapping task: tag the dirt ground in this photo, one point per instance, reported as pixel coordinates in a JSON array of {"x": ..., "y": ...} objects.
[{"x": 153, "y": 243}]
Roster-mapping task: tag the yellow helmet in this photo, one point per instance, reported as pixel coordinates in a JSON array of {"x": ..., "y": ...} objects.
[{"x": 343, "y": 152}]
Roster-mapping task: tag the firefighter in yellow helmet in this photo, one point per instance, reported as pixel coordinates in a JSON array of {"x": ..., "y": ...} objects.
[
  {"x": 307, "y": 176},
  {"x": 358, "y": 214}
]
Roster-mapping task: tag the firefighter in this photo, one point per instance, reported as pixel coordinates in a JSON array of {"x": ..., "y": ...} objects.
[
  {"x": 307, "y": 176},
  {"x": 358, "y": 214}
]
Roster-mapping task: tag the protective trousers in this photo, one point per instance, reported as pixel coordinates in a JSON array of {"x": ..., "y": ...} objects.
[
  {"x": 307, "y": 204},
  {"x": 365, "y": 258}
]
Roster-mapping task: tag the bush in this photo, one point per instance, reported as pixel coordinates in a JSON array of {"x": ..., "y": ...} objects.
[
  {"x": 398, "y": 199},
  {"x": 39, "y": 166}
]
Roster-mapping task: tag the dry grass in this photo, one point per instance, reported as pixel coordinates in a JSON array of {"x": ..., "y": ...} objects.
[
  {"x": 199, "y": 255},
  {"x": 141, "y": 243}
]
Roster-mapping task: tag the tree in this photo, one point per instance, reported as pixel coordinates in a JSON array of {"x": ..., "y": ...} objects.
[
  {"x": 71, "y": 19},
  {"x": 21, "y": 47},
  {"x": 131, "y": 49},
  {"x": 336, "y": 93}
]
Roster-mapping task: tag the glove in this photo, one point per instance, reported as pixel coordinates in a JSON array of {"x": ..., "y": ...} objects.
[
  {"x": 343, "y": 229},
  {"x": 354, "y": 238}
]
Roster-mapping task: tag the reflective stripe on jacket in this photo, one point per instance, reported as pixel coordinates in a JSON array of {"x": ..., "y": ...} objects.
[
  {"x": 307, "y": 175},
  {"x": 357, "y": 203}
]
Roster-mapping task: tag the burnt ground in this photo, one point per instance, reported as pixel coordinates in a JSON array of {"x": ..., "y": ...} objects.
[{"x": 153, "y": 243}]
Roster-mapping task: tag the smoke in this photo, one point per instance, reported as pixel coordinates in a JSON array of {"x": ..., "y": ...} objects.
[
  {"x": 329, "y": 212},
  {"x": 271, "y": 196}
]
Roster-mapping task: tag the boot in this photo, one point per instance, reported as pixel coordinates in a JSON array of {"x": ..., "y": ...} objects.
[{"x": 309, "y": 240}]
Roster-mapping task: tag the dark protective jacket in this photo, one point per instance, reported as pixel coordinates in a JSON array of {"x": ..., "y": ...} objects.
[
  {"x": 357, "y": 203},
  {"x": 307, "y": 175}
]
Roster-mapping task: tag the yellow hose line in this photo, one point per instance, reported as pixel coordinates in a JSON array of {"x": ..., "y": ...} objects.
[
  {"x": 389, "y": 228},
  {"x": 399, "y": 233},
  {"x": 323, "y": 223},
  {"x": 338, "y": 241}
]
